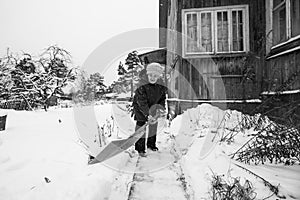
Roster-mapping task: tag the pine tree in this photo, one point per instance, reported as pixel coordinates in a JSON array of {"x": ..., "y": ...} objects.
[
  {"x": 121, "y": 69},
  {"x": 134, "y": 66},
  {"x": 96, "y": 83}
]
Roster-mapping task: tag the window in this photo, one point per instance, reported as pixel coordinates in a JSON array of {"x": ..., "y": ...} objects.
[
  {"x": 215, "y": 30},
  {"x": 286, "y": 20},
  {"x": 295, "y": 17}
]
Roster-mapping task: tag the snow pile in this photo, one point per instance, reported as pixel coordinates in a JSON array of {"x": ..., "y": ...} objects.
[
  {"x": 195, "y": 123},
  {"x": 195, "y": 130}
]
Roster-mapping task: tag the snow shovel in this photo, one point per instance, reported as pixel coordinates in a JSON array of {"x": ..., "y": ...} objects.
[{"x": 117, "y": 146}]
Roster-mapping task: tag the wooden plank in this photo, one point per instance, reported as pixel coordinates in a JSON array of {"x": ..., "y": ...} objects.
[
  {"x": 227, "y": 76},
  {"x": 185, "y": 84},
  {"x": 297, "y": 68},
  {"x": 163, "y": 19},
  {"x": 196, "y": 79}
]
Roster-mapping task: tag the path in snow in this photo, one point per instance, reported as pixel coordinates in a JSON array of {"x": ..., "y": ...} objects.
[{"x": 159, "y": 175}]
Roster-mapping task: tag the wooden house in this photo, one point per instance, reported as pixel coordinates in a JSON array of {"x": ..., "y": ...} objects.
[
  {"x": 281, "y": 73},
  {"x": 217, "y": 50},
  {"x": 231, "y": 53}
]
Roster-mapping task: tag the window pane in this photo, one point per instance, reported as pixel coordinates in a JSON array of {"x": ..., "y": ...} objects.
[
  {"x": 240, "y": 15},
  {"x": 237, "y": 31},
  {"x": 279, "y": 25},
  {"x": 206, "y": 32},
  {"x": 234, "y": 31},
  {"x": 192, "y": 35},
  {"x": 282, "y": 19},
  {"x": 222, "y": 32},
  {"x": 295, "y": 16}
]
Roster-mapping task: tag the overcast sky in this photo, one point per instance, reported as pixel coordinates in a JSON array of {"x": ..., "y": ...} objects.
[{"x": 77, "y": 26}]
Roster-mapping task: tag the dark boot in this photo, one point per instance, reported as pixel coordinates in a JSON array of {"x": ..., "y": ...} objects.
[{"x": 140, "y": 144}]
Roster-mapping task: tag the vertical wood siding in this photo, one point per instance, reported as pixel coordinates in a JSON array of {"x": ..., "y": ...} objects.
[
  {"x": 203, "y": 74},
  {"x": 172, "y": 47},
  {"x": 279, "y": 69}
]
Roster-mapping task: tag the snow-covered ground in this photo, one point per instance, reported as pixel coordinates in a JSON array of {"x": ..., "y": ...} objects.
[
  {"x": 42, "y": 157},
  {"x": 201, "y": 167}
]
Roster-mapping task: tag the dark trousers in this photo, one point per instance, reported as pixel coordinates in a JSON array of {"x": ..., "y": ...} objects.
[{"x": 151, "y": 140}]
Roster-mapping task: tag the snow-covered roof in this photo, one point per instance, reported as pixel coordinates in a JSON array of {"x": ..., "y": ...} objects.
[
  {"x": 217, "y": 101},
  {"x": 111, "y": 94},
  {"x": 124, "y": 95},
  {"x": 282, "y": 92}
]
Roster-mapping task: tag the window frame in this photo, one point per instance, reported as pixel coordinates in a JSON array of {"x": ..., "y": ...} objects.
[
  {"x": 288, "y": 28},
  {"x": 214, "y": 32}
]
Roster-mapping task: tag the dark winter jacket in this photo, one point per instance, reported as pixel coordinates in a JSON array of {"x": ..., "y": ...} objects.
[{"x": 148, "y": 98}]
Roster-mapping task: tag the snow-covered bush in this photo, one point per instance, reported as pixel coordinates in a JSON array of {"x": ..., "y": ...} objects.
[
  {"x": 235, "y": 122},
  {"x": 270, "y": 142},
  {"x": 33, "y": 81},
  {"x": 275, "y": 144},
  {"x": 231, "y": 189}
]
